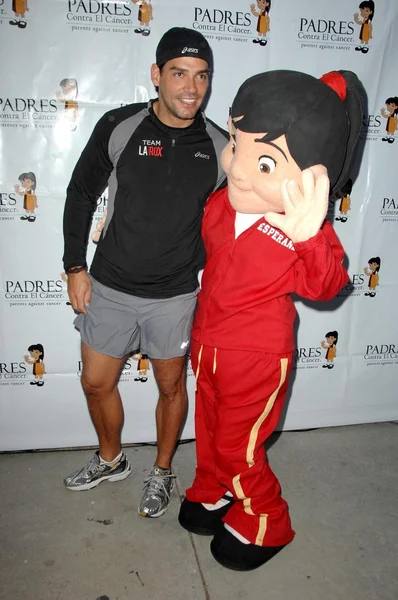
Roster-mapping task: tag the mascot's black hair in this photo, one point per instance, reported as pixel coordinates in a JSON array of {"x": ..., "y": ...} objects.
[{"x": 321, "y": 118}]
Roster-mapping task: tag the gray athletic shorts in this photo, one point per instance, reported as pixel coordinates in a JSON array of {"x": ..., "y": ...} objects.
[{"x": 117, "y": 324}]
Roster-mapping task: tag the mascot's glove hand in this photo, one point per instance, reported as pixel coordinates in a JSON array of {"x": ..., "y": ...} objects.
[{"x": 305, "y": 207}]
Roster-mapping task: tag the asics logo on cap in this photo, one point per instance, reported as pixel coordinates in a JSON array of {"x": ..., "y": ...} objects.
[{"x": 186, "y": 49}]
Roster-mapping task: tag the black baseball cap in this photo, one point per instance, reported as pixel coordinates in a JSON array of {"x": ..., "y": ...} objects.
[{"x": 181, "y": 41}]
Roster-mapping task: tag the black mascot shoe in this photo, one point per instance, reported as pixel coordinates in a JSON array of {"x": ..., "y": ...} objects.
[
  {"x": 195, "y": 518},
  {"x": 233, "y": 554}
]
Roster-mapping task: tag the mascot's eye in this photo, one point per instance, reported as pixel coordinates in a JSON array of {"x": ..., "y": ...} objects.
[{"x": 266, "y": 164}]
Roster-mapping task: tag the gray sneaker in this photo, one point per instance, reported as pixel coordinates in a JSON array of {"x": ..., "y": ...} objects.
[
  {"x": 94, "y": 472},
  {"x": 157, "y": 490}
]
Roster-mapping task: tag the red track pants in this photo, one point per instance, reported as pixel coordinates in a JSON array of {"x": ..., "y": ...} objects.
[{"x": 239, "y": 400}]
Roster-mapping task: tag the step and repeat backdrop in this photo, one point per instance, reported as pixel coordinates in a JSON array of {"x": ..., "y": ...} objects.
[{"x": 66, "y": 62}]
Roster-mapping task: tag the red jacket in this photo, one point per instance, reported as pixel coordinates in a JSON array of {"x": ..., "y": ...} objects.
[{"x": 245, "y": 302}]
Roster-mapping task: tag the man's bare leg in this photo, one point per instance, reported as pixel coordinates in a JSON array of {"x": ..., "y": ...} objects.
[
  {"x": 170, "y": 375},
  {"x": 99, "y": 380}
]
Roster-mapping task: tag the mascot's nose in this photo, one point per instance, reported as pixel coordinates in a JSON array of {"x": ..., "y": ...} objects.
[{"x": 237, "y": 172}]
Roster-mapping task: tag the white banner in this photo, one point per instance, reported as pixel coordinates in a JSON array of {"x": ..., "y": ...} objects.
[{"x": 65, "y": 63}]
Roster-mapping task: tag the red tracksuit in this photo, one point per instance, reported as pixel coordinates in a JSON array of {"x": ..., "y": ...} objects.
[{"x": 242, "y": 345}]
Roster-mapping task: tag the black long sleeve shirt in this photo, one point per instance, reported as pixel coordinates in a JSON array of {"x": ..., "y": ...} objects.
[{"x": 159, "y": 179}]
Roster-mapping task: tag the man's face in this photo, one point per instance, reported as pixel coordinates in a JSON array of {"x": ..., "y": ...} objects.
[
  {"x": 255, "y": 171},
  {"x": 182, "y": 86}
]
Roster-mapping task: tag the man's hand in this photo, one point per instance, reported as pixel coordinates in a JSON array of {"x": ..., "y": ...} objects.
[
  {"x": 305, "y": 207},
  {"x": 79, "y": 290}
]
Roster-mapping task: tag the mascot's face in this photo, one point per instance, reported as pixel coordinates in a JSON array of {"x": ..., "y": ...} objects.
[
  {"x": 26, "y": 183},
  {"x": 262, "y": 4},
  {"x": 365, "y": 12},
  {"x": 255, "y": 171}
]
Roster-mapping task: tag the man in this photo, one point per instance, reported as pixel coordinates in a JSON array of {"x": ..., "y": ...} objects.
[{"x": 161, "y": 162}]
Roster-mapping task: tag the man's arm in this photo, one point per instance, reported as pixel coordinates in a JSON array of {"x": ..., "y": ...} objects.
[
  {"x": 220, "y": 139},
  {"x": 88, "y": 182}
]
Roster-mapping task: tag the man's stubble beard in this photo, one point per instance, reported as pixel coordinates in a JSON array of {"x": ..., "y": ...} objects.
[{"x": 177, "y": 114}]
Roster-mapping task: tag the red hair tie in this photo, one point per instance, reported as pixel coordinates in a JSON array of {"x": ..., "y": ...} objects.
[{"x": 337, "y": 82}]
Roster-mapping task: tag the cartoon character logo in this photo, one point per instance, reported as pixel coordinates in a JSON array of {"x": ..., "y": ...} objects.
[
  {"x": 36, "y": 352},
  {"x": 96, "y": 235},
  {"x": 373, "y": 273},
  {"x": 263, "y": 20},
  {"x": 367, "y": 9},
  {"x": 330, "y": 347},
  {"x": 145, "y": 16},
  {"x": 67, "y": 96},
  {"x": 19, "y": 7},
  {"x": 345, "y": 201},
  {"x": 142, "y": 367},
  {"x": 27, "y": 190},
  {"x": 391, "y": 114}
]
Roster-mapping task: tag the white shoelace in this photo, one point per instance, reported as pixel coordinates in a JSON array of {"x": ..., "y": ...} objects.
[{"x": 157, "y": 483}]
